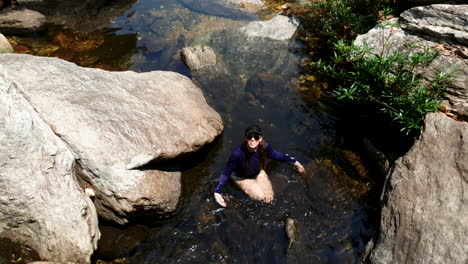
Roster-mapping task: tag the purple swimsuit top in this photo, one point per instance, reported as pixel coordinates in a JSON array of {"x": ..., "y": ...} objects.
[{"x": 248, "y": 168}]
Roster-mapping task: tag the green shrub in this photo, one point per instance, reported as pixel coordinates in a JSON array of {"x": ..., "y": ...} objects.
[
  {"x": 343, "y": 19},
  {"x": 390, "y": 80}
]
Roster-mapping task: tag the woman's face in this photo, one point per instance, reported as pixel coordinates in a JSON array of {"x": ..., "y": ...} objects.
[{"x": 253, "y": 140}]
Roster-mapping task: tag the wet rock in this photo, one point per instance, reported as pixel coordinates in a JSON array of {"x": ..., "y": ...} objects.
[
  {"x": 20, "y": 21},
  {"x": 425, "y": 199},
  {"x": 220, "y": 84},
  {"x": 396, "y": 38},
  {"x": 290, "y": 226},
  {"x": 5, "y": 46},
  {"x": 111, "y": 119},
  {"x": 278, "y": 28},
  {"x": 377, "y": 157},
  {"x": 198, "y": 57},
  {"x": 41, "y": 205}
]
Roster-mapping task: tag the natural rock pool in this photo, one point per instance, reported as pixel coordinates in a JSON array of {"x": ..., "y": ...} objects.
[{"x": 257, "y": 81}]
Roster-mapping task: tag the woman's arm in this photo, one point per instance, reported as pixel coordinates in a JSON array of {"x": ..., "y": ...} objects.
[
  {"x": 230, "y": 167},
  {"x": 276, "y": 155},
  {"x": 273, "y": 154}
]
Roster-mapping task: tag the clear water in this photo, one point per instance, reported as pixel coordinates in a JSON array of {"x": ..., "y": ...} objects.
[{"x": 332, "y": 203}]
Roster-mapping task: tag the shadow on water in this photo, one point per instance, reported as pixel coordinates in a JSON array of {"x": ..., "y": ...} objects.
[
  {"x": 17, "y": 253},
  {"x": 332, "y": 203}
]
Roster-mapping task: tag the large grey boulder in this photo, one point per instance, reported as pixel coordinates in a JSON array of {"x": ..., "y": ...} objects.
[
  {"x": 425, "y": 213},
  {"x": 42, "y": 207},
  {"x": 446, "y": 34},
  {"x": 117, "y": 124},
  {"x": 424, "y": 218}
]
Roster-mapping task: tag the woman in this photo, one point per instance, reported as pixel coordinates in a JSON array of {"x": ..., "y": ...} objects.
[{"x": 248, "y": 163}]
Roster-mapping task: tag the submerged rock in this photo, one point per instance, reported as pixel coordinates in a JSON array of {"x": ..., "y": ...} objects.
[
  {"x": 42, "y": 207},
  {"x": 243, "y": 52},
  {"x": 251, "y": 49},
  {"x": 116, "y": 123},
  {"x": 218, "y": 8},
  {"x": 267, "y": 86},
  {"x": 290, "y": 226}
]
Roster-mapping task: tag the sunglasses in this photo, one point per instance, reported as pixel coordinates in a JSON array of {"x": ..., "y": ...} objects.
[{"x": 254, "y": 136}]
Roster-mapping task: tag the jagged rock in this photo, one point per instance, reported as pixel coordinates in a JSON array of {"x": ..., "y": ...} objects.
[
  {"x": 448, "y": 22},
  {"x": 5, "y": 46},
  {"x": 424, "y": 218},
  {"x": 393, "y": 37},
  {"x": 42, "y": 207},
  {"x": 116, "y": 123},
  {"x": 198, "y": 57},
  {"x": 20, "y": 21}
]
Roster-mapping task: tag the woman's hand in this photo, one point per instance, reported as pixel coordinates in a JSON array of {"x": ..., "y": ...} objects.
[
  {"x": 299, "y": 167},
  {"x": 219, "y": 199}
]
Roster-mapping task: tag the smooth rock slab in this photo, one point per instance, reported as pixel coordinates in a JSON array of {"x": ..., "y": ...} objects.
[
  {"x": 41, "y": 204},
  {"x": 116, "y": 122}
]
